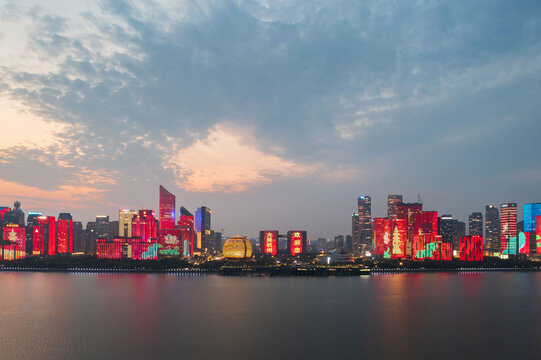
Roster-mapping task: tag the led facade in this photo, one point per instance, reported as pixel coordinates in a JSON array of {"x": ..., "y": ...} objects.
[
  {"x": 127, "y": 248},
  {"x": 390, "y": 237},
  {"x": 186, "y": 225},
  {"x": 538, "y": 234},
  {"x": 65, "y": 236},
  {"x": 170, "y": 243},
  {"x": 237, "y": 248},
  {"x": 14, "y": 244},
  {"x": 471, "y": 248},
  {"x": 523, "y": 242},
  {"x": 167, "y": 209},
  {"x": 297, "y": 242},
  {"x": 429, "y": 247},
  {"x": 531, "y": 211},
  {"x": 144, "y": 225},
  {"x": 508, "y": 229},
  {"x": 44, "y": 239},
  {"x": 268, "y": 242}
]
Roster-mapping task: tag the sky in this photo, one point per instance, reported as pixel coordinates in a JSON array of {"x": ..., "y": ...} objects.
[{"x": 275, "y": 114}]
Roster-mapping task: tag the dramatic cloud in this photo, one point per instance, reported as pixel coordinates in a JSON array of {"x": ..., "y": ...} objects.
[{"x": 229, "y": 159}]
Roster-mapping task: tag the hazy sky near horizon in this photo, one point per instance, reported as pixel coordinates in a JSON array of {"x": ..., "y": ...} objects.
[{"x": 275, "y": 114}]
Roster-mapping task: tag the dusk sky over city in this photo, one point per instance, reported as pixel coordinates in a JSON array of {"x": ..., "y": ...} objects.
[{"x": 274, "y": 114}]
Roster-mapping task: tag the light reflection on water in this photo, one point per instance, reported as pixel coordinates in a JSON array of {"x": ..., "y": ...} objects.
[{"x": 417, "y": 315}]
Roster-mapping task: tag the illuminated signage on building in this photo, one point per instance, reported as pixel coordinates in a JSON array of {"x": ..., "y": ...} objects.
[
  {"x": 297, "y": 242},
  {"x": 471, "y": 248},
  {"x": 14, "y": 244},
  {"x": 170, "y": 242},
  {"x": 268, "y": 242}
]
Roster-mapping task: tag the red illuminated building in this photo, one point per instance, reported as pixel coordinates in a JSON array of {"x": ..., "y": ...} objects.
[
  {"x": 44, "y": 236},
  {"x": 268, "y": 242},
  {"x": 186, "y": 225},
  {"x": 538, "y": 234},
  {"x": 14, "y": 243},
  {"x": 167, "y": 209},
  {"x": 390, "y": 237},
  {"x": 144, "y": 226},
  {"x": 471, "y": 248},
  {"x": 127, "y": 248},
  {"x": 508, "y": 228},
  {"x": 296, "y": 242},
  {"x": 170, "y": 242},
  {"x": 429, "y": 247},
  {"x": 65, "y": 236}
]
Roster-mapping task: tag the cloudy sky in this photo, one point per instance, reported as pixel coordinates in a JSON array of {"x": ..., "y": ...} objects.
[{"x": 275, "y": 114}]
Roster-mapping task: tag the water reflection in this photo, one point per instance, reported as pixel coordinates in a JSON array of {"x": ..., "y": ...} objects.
[{"x": 116, "y": 316}]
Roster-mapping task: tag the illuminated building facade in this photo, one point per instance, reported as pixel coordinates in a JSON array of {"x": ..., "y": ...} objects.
[
  {"x": 508, "y": 229},
  {"x": 126, "y": 248},
  {"x": 296, "y": 241},
  {"x": 170, "y": 242},
  {"x": 531, "y": 211},
  {"x": 429, "y": 247},
  {"x": 392, "y": 205},
  {"x": 448, "y": 229},
  {"x": 144, "y": 225},
  {"x": 471, "y": 248},
  {"x": 187, "y": 226},
  {"x": 492, "y": 228},
  {"x": 125, "y": 222},
  {"x": 407, "y": 211},
  {"x": 268, "y": 242},
  {"x": 538, "y": 234},
  {"x": 167, "y": 209},
  {"x": 13, "y": 246},
  {"x": 44, "y": 236},
  {"x": 32, "y": 220},
  {"x": 65, "y": 234},
  {"x": 202, "y": 229},
  {"x": 476, "y": 224},
  {"x": 523, "y": 242},
  {"x": 103, "y": 229},
  {"x": 390, "y": 237},
  {"x": 364, "y": 209},
  {"x": 238, "y": 247}
]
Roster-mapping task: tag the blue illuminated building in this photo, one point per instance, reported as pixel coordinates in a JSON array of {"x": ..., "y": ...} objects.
[{"x": 530, "y": 213}]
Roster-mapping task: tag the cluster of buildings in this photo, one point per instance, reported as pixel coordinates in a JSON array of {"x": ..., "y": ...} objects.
[
  {"x": 410, "y": 232},
  {"x": 138, "y": 234}
]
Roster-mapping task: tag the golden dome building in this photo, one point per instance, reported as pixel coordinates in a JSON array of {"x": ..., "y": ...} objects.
[{"x": 237, "y": 247}]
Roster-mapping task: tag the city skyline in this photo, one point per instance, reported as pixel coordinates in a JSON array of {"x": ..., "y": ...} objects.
[{"x": 255, "y": 111}]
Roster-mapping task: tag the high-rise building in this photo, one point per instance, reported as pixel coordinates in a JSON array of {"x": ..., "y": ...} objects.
[
  {"x": 392, "y": 205},
  {"x": 13, "y": 246},
  {"x": 471, "y": 248},
  {"x": 492, "y": 228},
  {"x": 407, "y": 211},
  {"x": 268, "y": 242},
  {"x": 355, "y": 235},
  {"x": 65, "y": 234},
  {"x": 349, "y": 244},
  {"x": 78, "y": 237},
  {"x": 14, "y": 216},
  {"x": 202, "y": 229},
  {"x": 90, "y": 238},
  {"x": 476, "y": 224},
  {"x": 364, "y": 209},
  {"x": 125, "y": 222},
  {"x": 531, "y": 211},
  {"x": 31, "y": 221},
  {"x": 296, "y": 242},
  {"x": 145, "y": 226},
  {"x": 390, "y": 237},
  {"x": 102, "y": 227},
  {"x": 44, "y": 236},
  {"x": 448, "y": 229},
  {"x": 186, "y": 224},
  {"x": 508, "y": 229},
  {"x": 167, "y": 209}
]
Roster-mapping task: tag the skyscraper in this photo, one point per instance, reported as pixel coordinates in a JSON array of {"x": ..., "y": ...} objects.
[
  {"x": 531, "y": 211},
  {"x": 167, "y": 209},
  {"x": 492, "y": 228},
  {"x": 102, "y": 227},
  {"x": 355, "y": 234},
  {"x": 476, "y": 224},
  {"x": 145, "y": 226},
  {"x": 125, "y": 222},
  {"x": 202, "y": 228},
  {"x": 448, "y": 229},
  {"x": 65, "y": 233},
  {"x": 392, "y": 205},
  {"x": 508, "y": 229},
  {"x": 186, "y": 224},
  {"x": 364, "y": 209}
]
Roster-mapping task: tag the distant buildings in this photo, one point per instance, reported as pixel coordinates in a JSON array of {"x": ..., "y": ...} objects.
[
  {"x": 531, "y": 211},
  {"x": 364, "y": 210},
  {"x": 392, "y": 205},
  {"x": 492, "y": 228},
  {"x": 476, "y": 224}
]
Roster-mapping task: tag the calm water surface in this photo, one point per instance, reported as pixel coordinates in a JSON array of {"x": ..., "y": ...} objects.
[{"x": 161, "y": 316}]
